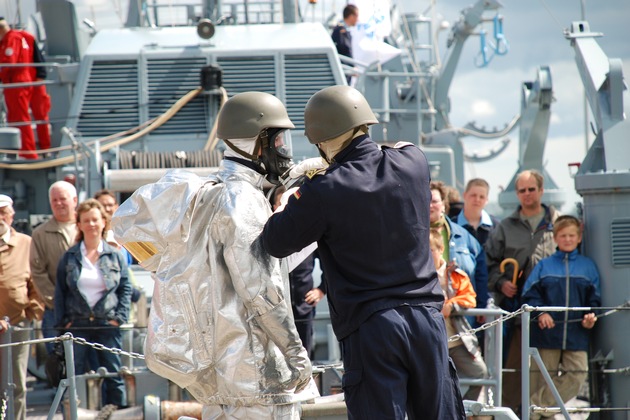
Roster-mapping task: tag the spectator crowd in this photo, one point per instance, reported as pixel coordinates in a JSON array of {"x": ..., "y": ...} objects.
[{"x": 73, "y": 275}]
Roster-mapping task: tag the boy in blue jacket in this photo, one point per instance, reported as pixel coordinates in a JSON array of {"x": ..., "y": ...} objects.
[{"x": 569, "y": 279}]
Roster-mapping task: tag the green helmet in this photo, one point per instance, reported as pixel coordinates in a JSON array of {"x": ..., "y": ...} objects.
[
  {"x": 246, "y": 114},
  {"x": 333, "y": 111}
]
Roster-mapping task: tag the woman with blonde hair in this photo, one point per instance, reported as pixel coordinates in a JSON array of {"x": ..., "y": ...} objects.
[{"x": 93, "y": 295}]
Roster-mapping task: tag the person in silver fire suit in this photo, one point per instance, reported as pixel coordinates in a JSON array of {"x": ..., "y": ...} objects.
[
  {"x": 221, "y": 323},
  {"x": 368, "y": 211}
]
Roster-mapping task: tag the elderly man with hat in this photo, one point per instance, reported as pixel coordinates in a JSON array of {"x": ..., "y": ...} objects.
[{"x": 19, "y": 300}]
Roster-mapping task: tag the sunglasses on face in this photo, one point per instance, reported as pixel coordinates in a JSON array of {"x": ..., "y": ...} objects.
[{"x": 523, "y": 190}]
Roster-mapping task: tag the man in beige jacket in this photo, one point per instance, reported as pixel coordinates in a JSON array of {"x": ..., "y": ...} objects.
[
  {"x": 50, "y": 240},
  {"x": 19, "y": 300}
]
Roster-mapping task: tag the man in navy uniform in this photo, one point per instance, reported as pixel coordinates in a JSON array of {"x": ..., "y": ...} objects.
[
  {"x": 369, "y": 213},
  {"x": 341, "y": 35}
]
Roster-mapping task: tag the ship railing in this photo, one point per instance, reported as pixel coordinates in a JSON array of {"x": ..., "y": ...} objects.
[
  {"x": 69, "y": 383},
  {"x": 235, "y": 12},
  {"x": 415, "y": 91},
  {"x": 62, "y": 76},
  {"x": 528, "y": 353},
  {"x": 493, "y": 351},
  {"x": 493, "y": 345},
  {"x": 531, "y": 354},
  {"x": 48, "y": 65}
]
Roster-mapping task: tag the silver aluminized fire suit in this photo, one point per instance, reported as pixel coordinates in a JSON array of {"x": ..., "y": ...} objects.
[{"x": 221, "y": 324}]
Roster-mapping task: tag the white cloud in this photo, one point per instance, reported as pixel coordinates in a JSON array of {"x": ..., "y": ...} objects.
[{"x": 483, "y": 108}]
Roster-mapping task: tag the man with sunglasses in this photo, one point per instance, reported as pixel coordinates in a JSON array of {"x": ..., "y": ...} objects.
[{"x": 526, "y": 236}]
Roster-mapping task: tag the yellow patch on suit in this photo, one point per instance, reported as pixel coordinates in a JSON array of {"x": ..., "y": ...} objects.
[{"x": 314, "y": 172}]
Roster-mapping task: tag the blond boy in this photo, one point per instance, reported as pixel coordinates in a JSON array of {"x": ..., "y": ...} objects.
[{"x": 568, "y": 279}]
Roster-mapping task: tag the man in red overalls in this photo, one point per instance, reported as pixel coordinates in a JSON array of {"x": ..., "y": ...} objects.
[
  {"x": 15, "y": 49},
  {"x": 40, "y": 101}
]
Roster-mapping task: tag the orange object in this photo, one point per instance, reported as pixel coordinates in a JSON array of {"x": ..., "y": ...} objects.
[{"x": 514, "y": 263}]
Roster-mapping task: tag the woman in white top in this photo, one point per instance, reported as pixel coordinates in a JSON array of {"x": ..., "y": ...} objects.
[{"x": 93, "y": 295}]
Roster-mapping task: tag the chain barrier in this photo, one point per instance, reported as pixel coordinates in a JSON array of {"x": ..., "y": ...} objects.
[
  {"x": 487, "y": 325},
  {"x": 524, "y": 308},
  {"x": 609, "y": 311},
  {"x": 107, "y": 411},
  {"x": 100, "y": 347}
]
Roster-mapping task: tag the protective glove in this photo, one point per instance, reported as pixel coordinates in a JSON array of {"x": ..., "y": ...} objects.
[
  {"x": 307, "y": 165},
  {"x": 301, "y": 368}
]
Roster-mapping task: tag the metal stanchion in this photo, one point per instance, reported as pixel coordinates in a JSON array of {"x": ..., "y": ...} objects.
[
  {"x": 6, "y": 365},
  {"x": 72, "y": 383},
  {"x": 525, "y": 358},
  {"x": 527, "y": 353}
]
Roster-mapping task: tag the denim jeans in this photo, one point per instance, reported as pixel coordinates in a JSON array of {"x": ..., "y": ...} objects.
[
  {"x": 100, "y": 331},
  {"x": 48, "y": 328}
]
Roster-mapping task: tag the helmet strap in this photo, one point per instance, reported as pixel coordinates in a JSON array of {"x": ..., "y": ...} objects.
[{"x": 261, "y": 140}]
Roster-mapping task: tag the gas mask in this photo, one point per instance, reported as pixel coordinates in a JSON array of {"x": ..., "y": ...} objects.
[
  {"x": 270, "y": 154},
  {"x": 275, "y": 157}
]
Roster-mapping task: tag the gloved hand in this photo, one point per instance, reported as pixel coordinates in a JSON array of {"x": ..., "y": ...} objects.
[
  {"x": 301, "y": 368},
  {"x": 306, "y": 165}
]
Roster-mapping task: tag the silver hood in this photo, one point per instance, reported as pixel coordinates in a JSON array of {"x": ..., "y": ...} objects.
[{"x": 221, "y": 324}]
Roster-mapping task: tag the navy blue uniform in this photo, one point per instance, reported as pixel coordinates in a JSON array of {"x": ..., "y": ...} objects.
[
  {"x": 301, "y": 282},
  {"x": 369, "y": 214},
  {"x": 342, "y": 39}
]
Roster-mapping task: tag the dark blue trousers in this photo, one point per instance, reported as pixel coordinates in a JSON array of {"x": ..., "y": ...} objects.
[
  {"x": 304, "y": 326},
  {"x": 99, "y": 331},
  {"x": 397, "y": 363},
  {"x": 48, "y": 328}
]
